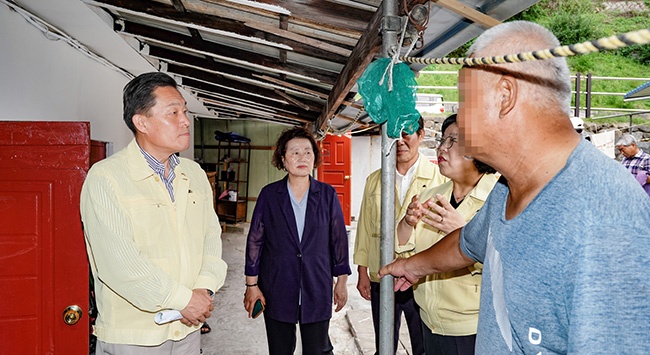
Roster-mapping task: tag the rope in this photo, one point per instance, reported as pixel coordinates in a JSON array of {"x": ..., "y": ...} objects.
[{"x": 612, "y": 42}]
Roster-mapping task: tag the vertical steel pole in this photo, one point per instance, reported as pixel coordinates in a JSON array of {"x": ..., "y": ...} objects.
[
  {"x": 588, "y": 97},
  {"x": 577, "y": 110},
  {"x": 391, "y": 26}
]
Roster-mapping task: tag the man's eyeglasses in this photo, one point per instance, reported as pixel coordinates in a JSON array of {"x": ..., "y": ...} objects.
[{"x": 446, "y": 142}]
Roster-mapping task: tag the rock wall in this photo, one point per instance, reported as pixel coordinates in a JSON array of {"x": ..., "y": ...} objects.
[{"x": 640, "y": 132}]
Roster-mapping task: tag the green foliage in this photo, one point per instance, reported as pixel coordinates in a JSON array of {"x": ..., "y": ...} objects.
[
  {"x": 581, "y": 63},
  {"x": 575, "y": 21},
  {"x": 573, "y": 28},
  {"x": 462, "y": 50},
  {"x": 547, "y": 8},
  {"x": 640, "y": 54}
]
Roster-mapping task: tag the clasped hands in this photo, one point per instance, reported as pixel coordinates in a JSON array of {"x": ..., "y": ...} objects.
[
  {"x": 436, "y": 212},
  {"x": 199, "y": 309}
]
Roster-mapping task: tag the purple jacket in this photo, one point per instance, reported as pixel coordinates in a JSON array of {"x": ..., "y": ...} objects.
[{"x": 285, "y": 266}]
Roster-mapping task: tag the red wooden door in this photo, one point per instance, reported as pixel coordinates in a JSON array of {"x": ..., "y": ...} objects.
[
  {"x": 336, "y": 169},
  {"x": 43, "y": 264}
]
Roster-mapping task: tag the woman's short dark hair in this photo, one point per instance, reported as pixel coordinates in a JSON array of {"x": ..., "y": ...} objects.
[
  {"x": 480, "y": 166},
  {"x": 285, "y": 137},
  {"x": 138, "y": 96}
]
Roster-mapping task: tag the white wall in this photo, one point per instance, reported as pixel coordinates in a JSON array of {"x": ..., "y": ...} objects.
[
  {"x": 366, "y": 158},
  {"x": 44, "y": 80}
]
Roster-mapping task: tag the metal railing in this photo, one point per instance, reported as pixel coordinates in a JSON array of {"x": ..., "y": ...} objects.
[{"x": 578, "y": 94}]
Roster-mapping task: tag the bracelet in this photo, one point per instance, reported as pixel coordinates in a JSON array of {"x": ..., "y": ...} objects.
[{"x": 253, "y": 285}]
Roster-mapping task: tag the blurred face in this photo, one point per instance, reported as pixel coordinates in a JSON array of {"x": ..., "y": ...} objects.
[
  {"x": 628, "y": 151},
  {"x": 165, "y": 129},
  {"x": 407, "y": 148},
  {"x": 479, "y": 123},
  {"x": 451, "y": 161},
  {"x": 470, "y": 110},
  {"x": 299, "y": 158}
]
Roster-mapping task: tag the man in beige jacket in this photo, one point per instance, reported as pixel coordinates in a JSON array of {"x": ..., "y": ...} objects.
[
  {"x": 414, "y": 174},
  {"x": 152, "y": 235}
]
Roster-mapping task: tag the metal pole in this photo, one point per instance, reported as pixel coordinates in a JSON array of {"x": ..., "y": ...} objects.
[
  {"x": 588, "y": 97},
  {"x": 577, "y": 109},
  {"x": 391, "y": 26}
]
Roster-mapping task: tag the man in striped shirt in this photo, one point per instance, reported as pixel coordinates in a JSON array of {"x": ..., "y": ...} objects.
[{"x": 635, "y": 160}]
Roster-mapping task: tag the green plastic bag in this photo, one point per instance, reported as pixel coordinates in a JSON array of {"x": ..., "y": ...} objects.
[{"x": 396, "y": 107}]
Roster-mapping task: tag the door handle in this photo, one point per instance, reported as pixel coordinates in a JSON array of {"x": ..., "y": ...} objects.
[
  {"x": 346, "y": 177},
  {"x": 72, "y": 314}
]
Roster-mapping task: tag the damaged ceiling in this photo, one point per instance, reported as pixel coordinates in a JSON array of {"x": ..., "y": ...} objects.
[{"x": 289, "y": 62}]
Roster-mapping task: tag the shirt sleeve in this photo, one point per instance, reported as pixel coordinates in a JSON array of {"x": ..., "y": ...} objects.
[
  {"x": 472, "y": 236},
  {"x": 338, "y": 238},
  {"x": 117, "y": 260},
  {"x": 364, "y": 228},
  {"x": 255, "y": 239},
  {"x": 408, "y": 248}
]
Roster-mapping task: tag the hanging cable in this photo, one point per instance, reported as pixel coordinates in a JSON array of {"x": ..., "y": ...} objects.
[
  {"x": 605, "y": 43},
  {"x": 54, "y": 34}
]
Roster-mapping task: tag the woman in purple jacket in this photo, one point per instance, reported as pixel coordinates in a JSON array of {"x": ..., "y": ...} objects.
[{"x": 296, "y": 244}]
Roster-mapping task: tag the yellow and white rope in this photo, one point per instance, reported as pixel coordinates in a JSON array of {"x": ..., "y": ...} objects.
[{"x": 612, "y": 42}]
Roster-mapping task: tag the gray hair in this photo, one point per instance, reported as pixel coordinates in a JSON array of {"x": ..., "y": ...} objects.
[
  {"x": 522, "y": 36},
  {"x": 626, "y": 140}
]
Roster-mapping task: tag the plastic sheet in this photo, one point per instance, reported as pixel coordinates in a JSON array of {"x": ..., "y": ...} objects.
[{"x": 396, "y": 107}]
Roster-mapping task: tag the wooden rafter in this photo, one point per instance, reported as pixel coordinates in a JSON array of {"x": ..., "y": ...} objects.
[{"x": 466, "y": 11}]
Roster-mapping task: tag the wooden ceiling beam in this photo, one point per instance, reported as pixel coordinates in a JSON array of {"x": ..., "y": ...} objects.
[
  {"x": 305, "y": 90},
  {"x": 222, "y": 52},
  {"x": 362, "y": 55},
  {"x": 292, "y": 86},
  {"x": 178, "y": 58},
  {"x": 196, "y": 22},
  {"x": 299, "y": 38},
  {"x": 244, "y": 96},
  {"x": 468, "y": 12},
  {"x": 293, "y": 100},
  {"x": 221, "y": 80},
  {"x": 245, "y": 103},
  {"x": 314, "y": 13}
]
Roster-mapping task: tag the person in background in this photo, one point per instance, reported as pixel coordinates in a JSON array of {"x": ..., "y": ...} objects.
[
  {"x": 635, "y": 160},
  {"x": 414, "y": 173},
  {"x": 296, "y": 245},
  {"x": 561, "y": 272},
  {"x": 449, "y": 302},
  {"x": 152, "y": 235}
]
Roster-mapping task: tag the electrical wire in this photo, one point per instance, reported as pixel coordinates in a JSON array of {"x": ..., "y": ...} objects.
[{"x": 52, "y": 33}]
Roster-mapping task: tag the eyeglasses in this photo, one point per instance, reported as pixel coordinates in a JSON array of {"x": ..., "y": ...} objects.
[{"x": 446, "y": 142}]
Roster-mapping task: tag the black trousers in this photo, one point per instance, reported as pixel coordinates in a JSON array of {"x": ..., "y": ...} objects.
[
  {"x": 404, "y": 302},
  {"x": 281, "y": 337},
  {"x": 436, "y": 344}
]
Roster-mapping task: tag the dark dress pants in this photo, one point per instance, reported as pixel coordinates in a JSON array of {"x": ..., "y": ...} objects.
[
  {"x": 436, "y": 344},
  {"x": 404, "y": 302},
  {"x": 281, "y": 337}
]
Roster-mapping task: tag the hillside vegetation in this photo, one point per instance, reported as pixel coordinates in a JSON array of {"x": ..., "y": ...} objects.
[{"x": 574, "y": 21}]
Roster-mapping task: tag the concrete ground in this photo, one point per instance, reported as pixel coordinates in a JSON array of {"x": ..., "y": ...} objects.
[{"x": 234, "y": 333}]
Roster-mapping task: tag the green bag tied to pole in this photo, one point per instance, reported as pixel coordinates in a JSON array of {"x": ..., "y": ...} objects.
[{"x": 396, "y": 106}]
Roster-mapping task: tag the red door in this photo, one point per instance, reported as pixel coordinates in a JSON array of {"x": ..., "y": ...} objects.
[
  {"x": 336, "y": 169},
  {"x": 43, "y": 264}
]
